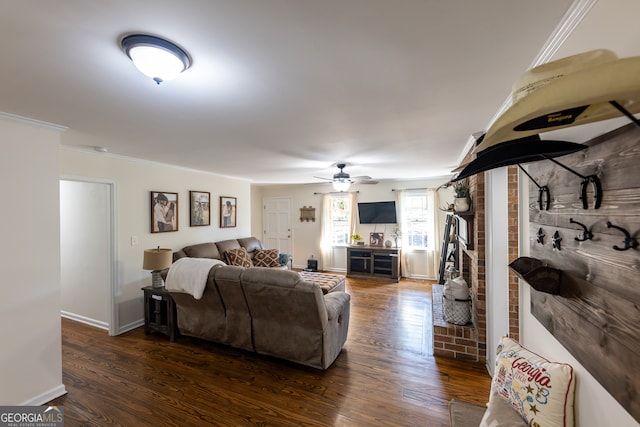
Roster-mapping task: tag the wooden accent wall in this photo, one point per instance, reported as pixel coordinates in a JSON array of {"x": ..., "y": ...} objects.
[{"x": 597, "y": 314}]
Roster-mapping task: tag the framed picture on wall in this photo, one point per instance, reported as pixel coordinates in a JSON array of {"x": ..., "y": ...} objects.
[
  {"x": 164, "y": 211},
  {"x": 199, "y": 208},
  {"x": 228, "y": 207}
]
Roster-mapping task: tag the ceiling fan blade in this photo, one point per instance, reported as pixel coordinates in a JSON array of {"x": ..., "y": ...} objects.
[
  {"x": 360, "y": 178},
  {"x": 369, "y": 181},
  {"x": 326, "y": 179}
]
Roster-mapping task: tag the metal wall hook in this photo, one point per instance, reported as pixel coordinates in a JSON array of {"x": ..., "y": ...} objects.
[
  {"x": 629, "y": 242},
  {"x": 586, "y": 235},
  {"x": 540, "y": 236},
  {"x": 596, "y": 186},
  {"x": 597, "y": 191},
  {"x": 543, "y": 192},
  {"x": 556, "y": 239}
]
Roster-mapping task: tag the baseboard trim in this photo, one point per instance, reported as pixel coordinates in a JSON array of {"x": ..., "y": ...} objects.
[
  {"x": 86, "y": 320},
  {"x": 128, "y": 327},
  {"x": 45, "y": 397},
  {"x": 420, "y": 277}
]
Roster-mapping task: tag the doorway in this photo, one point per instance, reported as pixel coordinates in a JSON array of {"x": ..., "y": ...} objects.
[
  {"x": 277, "y": 224},
  {"x": 87, "y": 252}
]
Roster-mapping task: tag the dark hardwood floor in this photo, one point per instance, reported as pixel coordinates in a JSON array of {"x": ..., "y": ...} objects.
[{"x": 385, "y": 375}]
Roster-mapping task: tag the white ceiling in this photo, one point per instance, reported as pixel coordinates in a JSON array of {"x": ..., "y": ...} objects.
[{"x": 282, "y": 90}]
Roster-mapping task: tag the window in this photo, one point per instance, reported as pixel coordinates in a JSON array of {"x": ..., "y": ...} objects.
[
  {"x": 336, "y": 222},
  {"x": 340, "y": 219},
  {"x": 418, "y": 219}
]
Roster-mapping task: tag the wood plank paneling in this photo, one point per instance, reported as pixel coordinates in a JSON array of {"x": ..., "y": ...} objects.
[{"x": 597, "y": 313}]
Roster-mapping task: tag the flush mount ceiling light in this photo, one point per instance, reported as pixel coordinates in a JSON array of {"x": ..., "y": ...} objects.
[{"x": 155, "y": 57}]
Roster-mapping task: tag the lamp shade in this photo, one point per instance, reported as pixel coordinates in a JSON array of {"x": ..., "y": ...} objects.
[{"x": 157, "y": 259}]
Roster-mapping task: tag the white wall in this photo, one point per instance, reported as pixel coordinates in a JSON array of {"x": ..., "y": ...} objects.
[
  {"x": 31, "y": 356},
  {"x": 306, "y": 235},
  {"x": 135, "y": 179}
]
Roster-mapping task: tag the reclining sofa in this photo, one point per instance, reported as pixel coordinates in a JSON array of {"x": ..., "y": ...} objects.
[{"x": 269, "y": 311}]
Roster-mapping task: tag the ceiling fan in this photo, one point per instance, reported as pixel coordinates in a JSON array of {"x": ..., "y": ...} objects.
[{"x": 342, "y": 181}]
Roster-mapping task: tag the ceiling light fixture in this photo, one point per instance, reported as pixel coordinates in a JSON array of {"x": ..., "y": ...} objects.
[
  {"x": 341, "y": 185},
  {"x": 155, "y": 57}
]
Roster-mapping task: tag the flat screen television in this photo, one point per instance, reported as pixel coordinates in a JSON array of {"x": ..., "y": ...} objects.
[{"x": 377, "y": 213}]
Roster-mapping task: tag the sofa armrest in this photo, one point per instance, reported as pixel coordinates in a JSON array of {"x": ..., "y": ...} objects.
[
  {"x": 465, "y": 414},
  {"x": 335, "y": 301}
]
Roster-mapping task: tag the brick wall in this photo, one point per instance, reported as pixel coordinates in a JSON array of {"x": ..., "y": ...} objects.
[
  {"x": 467, "y": 342},
  {"x": 514, "y": 298},
  {"x": 470, "y": 342}
]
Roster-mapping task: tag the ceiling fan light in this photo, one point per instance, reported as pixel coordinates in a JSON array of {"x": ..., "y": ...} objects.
[
  {"x": 341, "y": 185},
  {"x": 156, "y": 58}
]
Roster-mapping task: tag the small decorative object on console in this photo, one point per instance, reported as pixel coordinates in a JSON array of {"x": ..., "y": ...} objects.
[
  {"x": 376, "y": 239},
  {"x": 396, "y": 234}
]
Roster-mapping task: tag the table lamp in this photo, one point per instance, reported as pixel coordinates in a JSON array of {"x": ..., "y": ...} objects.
[{"x": 156, "y": 260}]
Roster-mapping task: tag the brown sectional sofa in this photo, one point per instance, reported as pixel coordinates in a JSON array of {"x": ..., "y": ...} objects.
[{"x": 270, "y": 311}]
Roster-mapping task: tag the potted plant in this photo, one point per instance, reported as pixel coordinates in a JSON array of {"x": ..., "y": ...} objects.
[
  {"x": 462, "y": 199},
  {"x": 357, "y": 239}
]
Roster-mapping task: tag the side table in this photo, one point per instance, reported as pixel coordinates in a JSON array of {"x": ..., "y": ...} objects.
[{"x": 159, "y": 312}]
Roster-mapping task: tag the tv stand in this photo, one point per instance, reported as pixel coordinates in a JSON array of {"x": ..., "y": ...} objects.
[{"x": 373, "y": 262}]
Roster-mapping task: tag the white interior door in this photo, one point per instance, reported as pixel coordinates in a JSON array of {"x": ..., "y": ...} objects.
[
  {"x": 277, "y": 224},
  {"x": 86, "y": 252}
]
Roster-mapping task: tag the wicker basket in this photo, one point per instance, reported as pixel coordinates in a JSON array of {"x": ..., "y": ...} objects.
[{"x": 456, "y": 311}]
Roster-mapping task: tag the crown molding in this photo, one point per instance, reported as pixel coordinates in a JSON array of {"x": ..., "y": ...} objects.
[
  {"x": 27, "y": 120},
  {"x": 91, "y": 152}
]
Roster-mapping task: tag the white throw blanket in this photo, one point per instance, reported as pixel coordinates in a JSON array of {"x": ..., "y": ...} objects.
[{"x": 189, "y": 275}]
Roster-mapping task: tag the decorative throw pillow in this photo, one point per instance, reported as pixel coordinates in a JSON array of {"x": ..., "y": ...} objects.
[
  {"x": 539, "y": 390},
  {"x": 239, "y": 257},
  {"x": 266, "y": 258}
]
